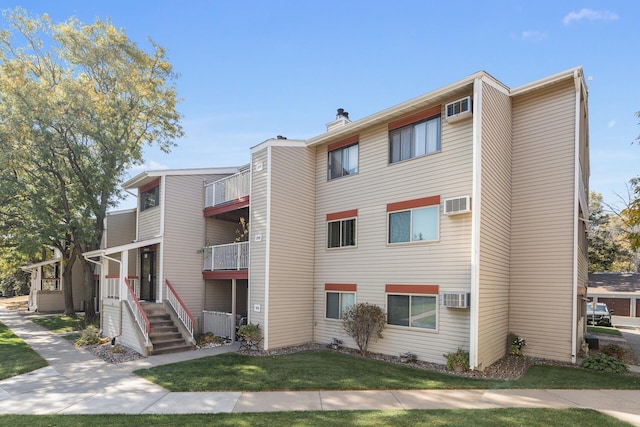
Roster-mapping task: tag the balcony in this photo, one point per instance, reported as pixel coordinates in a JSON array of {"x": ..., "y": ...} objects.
[
  {"x": 227, "y": 194},
  {"x": 226, "y": 261}
]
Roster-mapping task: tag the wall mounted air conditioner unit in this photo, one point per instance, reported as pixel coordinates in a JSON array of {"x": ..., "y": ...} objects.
[
  {"x": 458, "y": 110},
  {"x": 455, "y": 299},
  {"x": 457, "y": 205}
]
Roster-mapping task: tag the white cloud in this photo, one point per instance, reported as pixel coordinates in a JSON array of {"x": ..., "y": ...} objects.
[
  {"x": 611, "y": 124},
  {"x": 590, "y": 15},
  {"x": 147, "y": 166},
  {"x": 535, "y": 36}
]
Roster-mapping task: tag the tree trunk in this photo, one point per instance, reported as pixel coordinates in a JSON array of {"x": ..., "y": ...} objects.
[
  {"x": 67, "y": 275},
  {"x": 90, "y": 315}
]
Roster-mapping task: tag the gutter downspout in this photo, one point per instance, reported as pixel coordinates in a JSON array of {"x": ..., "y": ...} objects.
[{"x": 474, "y": 314}]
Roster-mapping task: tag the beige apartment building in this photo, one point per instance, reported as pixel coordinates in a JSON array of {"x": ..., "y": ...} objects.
[{"x": 460, "y": 212}]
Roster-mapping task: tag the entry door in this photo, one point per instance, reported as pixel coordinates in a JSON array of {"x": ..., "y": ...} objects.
[{"x": 148, "y": 276}]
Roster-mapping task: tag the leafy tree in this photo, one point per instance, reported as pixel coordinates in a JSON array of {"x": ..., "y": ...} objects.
[
  {"x": 77, "y": 104},
  {"x": 364, "y": 322},
  {"x": 608, "y": 249}
]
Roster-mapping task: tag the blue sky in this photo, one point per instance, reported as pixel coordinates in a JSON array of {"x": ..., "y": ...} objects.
[{"x": 251, "y": 70}]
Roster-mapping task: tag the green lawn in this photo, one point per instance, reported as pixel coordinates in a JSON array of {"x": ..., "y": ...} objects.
[
  {"x": 325, "y": 370},
  {"x": 458, "y": 417},
  {"x": 16, "y": 357},
  {"x": 60, "y": 323},
  {"x": 604, "y": 330}
]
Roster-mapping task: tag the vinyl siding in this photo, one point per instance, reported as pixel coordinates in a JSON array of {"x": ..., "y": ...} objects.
[
  {"x": 184, "y": 237},
  {"x": 542, "y": 226},
  {"x": 373, "y": 263},
  {"x": 149, "y": 223},
  {"x": 258, "y": 227},
  {"x": 291, "y": 246},
  {"x": 121, "y": 230},
  {"x": 495, "y": 225}
]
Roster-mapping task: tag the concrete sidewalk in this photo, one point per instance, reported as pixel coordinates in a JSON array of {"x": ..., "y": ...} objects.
[{"x": 76, "y": 382}]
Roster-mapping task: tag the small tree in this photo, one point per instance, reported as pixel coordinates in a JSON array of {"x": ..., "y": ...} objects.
[{"x": 364, "y": 322}]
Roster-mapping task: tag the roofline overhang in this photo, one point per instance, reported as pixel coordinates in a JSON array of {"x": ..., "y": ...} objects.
[
  {"x": 146, "y": 176},
  {"x": 571, "y": 73},
  {"x": 399, "y": 110},
  {"x": 122, "y": 248},
  {"x": 40, "y": 264}
]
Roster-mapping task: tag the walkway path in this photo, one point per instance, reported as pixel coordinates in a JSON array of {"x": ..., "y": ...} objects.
[{"x": 76, "y": 382}]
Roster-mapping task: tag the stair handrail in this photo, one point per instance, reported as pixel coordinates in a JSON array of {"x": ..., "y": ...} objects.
[
  {"x": 180, "y": 308},
  {"x": 138, "y": 313}
]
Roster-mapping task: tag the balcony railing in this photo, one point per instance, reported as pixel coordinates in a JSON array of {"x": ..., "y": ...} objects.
[
  {"x": 233, "y": 256},
  {"x": 227, "y": 189}
]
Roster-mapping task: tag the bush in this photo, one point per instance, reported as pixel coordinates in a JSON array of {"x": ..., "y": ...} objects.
[
  {"x": 90, "y": 337},
  {"x": 459, "y": 359},
  {"x": 208, "y": 338},
  {"x": 605, "y": 363},
  {"x": 249, "y": 332},
  {"x": 515, "y": 344},
  {"x": 613, "y": 350},
  {"x": 364, "y": 322}
]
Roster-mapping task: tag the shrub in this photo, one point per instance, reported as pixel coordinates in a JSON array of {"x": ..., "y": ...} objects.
[
  {"x": 613, "y": 350},
  {"x": 458, "y": 359},
  {"x": 208, "y": 338},
  {"x": 515, "y": 344},
  {"x": 605, "y": 363},
  {"x": 90, "y": 337},
  {"x": 249, "y": 332},
  {"x": 364, "y": 322}
]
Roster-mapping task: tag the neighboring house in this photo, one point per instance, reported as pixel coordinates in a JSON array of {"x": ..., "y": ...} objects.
[
  {"x": 620, "y": 291},
  {"x": 461, "y": 212},
  {"x": 46, "y": 294}
]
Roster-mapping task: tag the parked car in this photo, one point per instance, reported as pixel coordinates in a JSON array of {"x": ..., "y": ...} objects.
[{"x": 598, "y": 314}]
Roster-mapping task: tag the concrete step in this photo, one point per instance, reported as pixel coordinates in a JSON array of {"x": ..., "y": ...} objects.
[
  {"x": 159, "y": 344},
  {"x": 172, "y": 349},
  {"x": 163, "y": 336}
]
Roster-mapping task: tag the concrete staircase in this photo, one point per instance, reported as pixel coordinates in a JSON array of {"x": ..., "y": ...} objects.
[{"x": 165, "y": 335}]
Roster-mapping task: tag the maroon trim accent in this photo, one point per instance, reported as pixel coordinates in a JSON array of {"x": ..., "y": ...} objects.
[
  {"x": 225, "y": 274},
  {"x": 343, "y": 287},
  {"x": 344, "y": 143},
  {"x": 112, "y": 276},
  {"x": 341, "y": 215},
  {"x": 150, "y": 185},
  {"x": 412, "y": 289},
  {"x": 193, "y": 322},
  {"x": 421, "y": 115},
  {"x": 150, "y": 248},
  {"x": 415, "y": 203},
  {"x": 240, "y": 203}
]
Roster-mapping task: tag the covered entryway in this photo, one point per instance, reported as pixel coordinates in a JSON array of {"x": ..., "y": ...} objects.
[{"x": 148, "y": 274}]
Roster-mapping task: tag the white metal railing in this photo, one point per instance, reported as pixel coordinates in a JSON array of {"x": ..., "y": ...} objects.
[
  {"x": 227, "y": 189},
  {"x": 138, "y": 312},
  {"x": 218, "y": 323},
  {"x": 112, "y": 287},
  {"x": 232, "y": 256},
  {"x": 180, "y": 308}
]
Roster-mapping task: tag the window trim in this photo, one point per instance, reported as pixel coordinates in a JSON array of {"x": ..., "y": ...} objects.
[
  {"x": 339, "y": 217},
  {"x": 152, "y": 186},
  {"x": 342, "y": 145},
  {"x": 410, "y": 291},
  {"x": 410, "y": 206},
  {"x": 412, "y": 120},
  {"x": 339, "y": 288}
]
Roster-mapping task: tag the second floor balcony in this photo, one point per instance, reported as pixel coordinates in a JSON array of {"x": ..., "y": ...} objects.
[
  {"x": 226, "y": 194},
  {"x": 233, "y": 256}
]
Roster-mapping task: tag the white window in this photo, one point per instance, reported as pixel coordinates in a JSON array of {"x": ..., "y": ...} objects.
[
  {"x": 341, "y": 233},
  {"x": 338, "y": 303},
  {"x": 414, "y": 311},
  {"x": 414, "y": 225},
  {"x": 414, "y": 140},
  {"x": 343, "y": 161}
]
